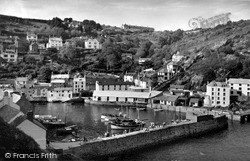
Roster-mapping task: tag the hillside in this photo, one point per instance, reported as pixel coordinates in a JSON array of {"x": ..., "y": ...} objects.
[{"x": 215, "y": 53}]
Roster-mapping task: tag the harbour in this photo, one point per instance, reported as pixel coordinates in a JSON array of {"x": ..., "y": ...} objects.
[{"x": 92, "y": 127}]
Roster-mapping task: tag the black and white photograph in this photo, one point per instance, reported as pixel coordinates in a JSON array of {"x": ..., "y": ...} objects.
[{"x": 124, "y": 80}]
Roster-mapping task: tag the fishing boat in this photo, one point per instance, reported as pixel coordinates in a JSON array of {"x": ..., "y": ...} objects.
[
  {"x": 141, "y": 108},
  {"x": 158, "y": 109},
  {"x": 50, "y": 121},
  {"x": 67, "y": 130},
  {"x": 110, "y": 117},
  {"x": 126, "y": 124}
]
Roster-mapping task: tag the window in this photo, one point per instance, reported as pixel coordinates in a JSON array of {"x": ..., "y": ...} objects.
[
  {"x": 212, "y": 101},
  {"x": 232, "y": 92},
  {"x": 120, "y": 88},
  {"x": 218, "y": 89},
  {"x": 51, "y": 95},
  {"x": 12, "y": 56},
  {"x": 5, "y": 56},
  {"x": 232, "y": 84},
  {"x": 218, "y": 93},
  {"x": 239, "y": 88},
  {"x": 224, "y": 98},
  {"x": 99, "y": 98},
  {"x": 224, "y": 94},
  {"x": 126, "y": 99},
  {"x": 218, "y": 102},
  {"x": 232, "y": 88},
  {"x": 62, "y": 95},
  {"x": 212, "y": 89},
  {"x": 212, "y": 98},
  {"x": 103, "y": 88},
  {"x": 117, "y": 98},
  {"x": 108, "y": 87},
  {"x": 224, "y": 90},
  {"x": 212, "y": 93},
  {"x": 107, "y": 98},
  {"x": 248, "y": 88},
  {"x": 239, "y": 84},
  {"x": 224, "y": 103},
  {"x": 218, "y": 98}
]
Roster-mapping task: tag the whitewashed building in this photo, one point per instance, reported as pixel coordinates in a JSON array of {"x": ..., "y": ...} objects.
[
  {"x": 59, "y": 94},
  {"x": 92, "y": 44},
  {"x": 10, "y": 55},
  {"x": 177, "y": 57},
  {"x": 54, "y": 42},
  {"x": 219, "y": 93},
  {"x": 79, "y": 84},
  {"x": 239, "y": 86},
  {"x": 31, "y": 37}
]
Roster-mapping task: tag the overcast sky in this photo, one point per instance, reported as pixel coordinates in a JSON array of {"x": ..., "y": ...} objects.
[{"x": 160, "y": 14}]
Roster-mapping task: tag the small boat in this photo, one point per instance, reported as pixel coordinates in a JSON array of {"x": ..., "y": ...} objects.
[
  {"x": 50, "y": 121},
  {"x": 141, "y": 108},
  {"x": 158, "y": 109},
  {"x": 127, "y": 124},
  {"x": 110, "y": 117},
  {"x": 67, "y": 130}
]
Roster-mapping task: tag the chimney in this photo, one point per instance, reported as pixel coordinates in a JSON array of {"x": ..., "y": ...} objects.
[{"x": 30, "y": 116}]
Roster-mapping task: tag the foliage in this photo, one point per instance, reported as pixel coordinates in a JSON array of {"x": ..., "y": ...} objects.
[
  {"x": 15, "y": 141},
  {"x": 44, "y": 74},
  {"x": 143, "y": 51}
]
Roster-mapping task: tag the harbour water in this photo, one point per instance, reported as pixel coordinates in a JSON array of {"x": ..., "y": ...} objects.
[{"x": 232, "y": 144}]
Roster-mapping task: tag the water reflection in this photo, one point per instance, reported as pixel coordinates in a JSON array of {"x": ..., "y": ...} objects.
[{"x": 88, "y": 117}]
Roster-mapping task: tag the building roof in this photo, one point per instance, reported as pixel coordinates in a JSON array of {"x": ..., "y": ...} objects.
[
  {"x": 59, "y": 76},
  {"x": 21, "y": 119},
  {"x": 63, "y": 89},
  {"x": 22, "y": 79},
  {"x": 194, "y": 100},
  {"x": 171, "y": 98},
  {"x": 55, "y": 39},
  {"x": 172, "y": 63},
  {"x": 7, "y": 113},
  {"x": 238, "y": 81},
  {"x": 115, "y": 83},
  {"x": 163, "y": 70},
  {"x": 127, "y": 94},
  {"x": 57, "y": 81},
  {"x": 175, "y": 86},
  {"x": 217, "y": 84},
  {"x": 25, "y": 105}
]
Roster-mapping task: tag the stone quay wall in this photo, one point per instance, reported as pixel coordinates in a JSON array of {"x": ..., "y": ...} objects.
[{"x": 119, "y": 144}]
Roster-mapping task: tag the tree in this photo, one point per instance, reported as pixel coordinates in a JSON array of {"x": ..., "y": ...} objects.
[
  {"x": 56, "y": 22},
  {"x": 143, "y": 51},
  {"x": 45, "y": 74},
  {"x": 30, "y": 59}
]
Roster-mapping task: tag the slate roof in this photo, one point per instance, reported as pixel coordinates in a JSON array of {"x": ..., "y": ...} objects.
[
  {"x": 238, "y": 81},
  {"x": 25, "y": 105},
  {"x": 217, "y": 84},
  {"x": 127, "y": 94},
  {"x": 7, "y": 113},
  {"x": 171, "y": 98},
  {"x": 21, "y": 119}
]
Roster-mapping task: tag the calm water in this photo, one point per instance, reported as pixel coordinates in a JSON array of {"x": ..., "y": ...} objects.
[{"x": 231, "y": 145}]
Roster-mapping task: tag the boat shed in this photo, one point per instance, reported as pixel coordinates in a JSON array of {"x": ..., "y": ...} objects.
[
  {"x": 124, "y": 96},
  {"x": 170, "y": 100}
]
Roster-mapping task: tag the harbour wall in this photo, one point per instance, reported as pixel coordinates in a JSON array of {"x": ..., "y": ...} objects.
[{"x": 119, "y": 144}]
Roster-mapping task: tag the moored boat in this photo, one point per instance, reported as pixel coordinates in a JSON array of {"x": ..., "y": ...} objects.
[
  {"x": 126, "y": 124},
  {"x": 50, "y": 121},
  {"x": 67, "y": 130}
]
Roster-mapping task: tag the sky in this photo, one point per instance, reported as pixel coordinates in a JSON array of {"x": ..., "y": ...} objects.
[{"x": 159, "y": 14}]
